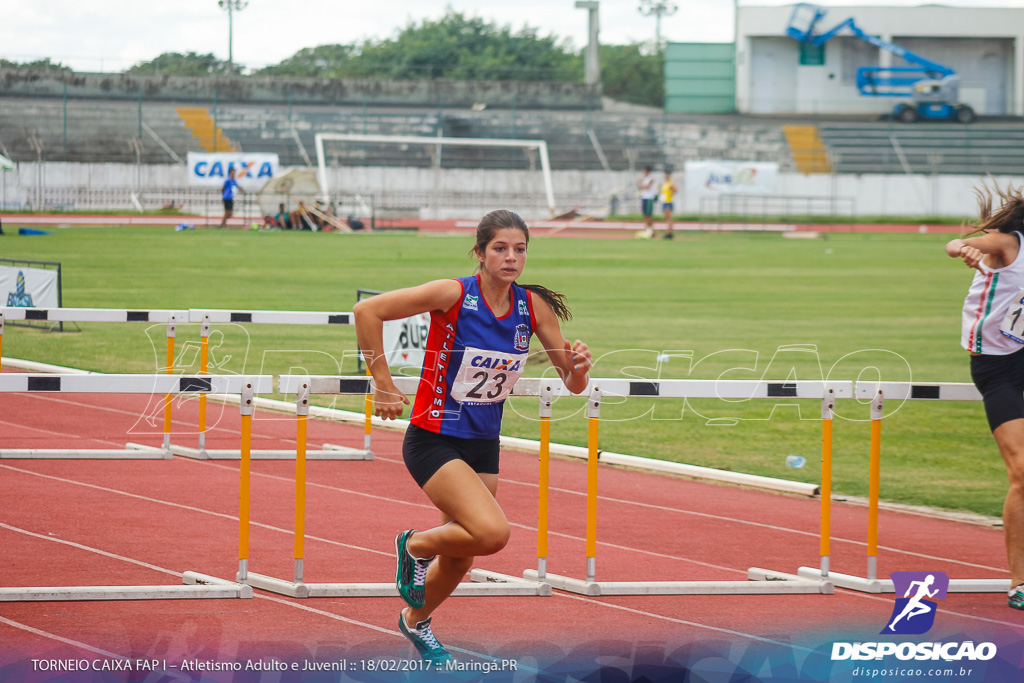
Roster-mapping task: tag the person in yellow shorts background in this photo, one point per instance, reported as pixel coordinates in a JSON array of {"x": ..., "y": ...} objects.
[{"x": 668, "y": 193}]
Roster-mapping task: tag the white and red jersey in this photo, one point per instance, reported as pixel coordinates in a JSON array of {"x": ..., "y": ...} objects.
[
  {"x": 989, "y": 299},
  {"x": 472, "y": 361}
]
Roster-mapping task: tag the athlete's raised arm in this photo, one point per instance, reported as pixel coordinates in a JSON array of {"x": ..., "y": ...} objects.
[
  {"x": 572, "y": 361},
  {"x": 370, "y": 314}
]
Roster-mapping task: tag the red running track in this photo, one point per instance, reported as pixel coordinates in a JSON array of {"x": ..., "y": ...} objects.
[{"x": 144, "y": 522}]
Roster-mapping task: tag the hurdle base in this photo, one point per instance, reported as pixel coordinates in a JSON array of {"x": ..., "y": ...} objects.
[
  {"x": 775, "y": 586},
  {"x": 329, "y": 452},
  {"x": 241, "y": 589},
  {"x": 865, "y": 585},
  {"x": 483, "y": 583},
  {"x": 825, "y": 585},
  {"x": 199, "y": 586},
  {"x": 292, "y": 589},
  {"x": 131, "y": 451}
]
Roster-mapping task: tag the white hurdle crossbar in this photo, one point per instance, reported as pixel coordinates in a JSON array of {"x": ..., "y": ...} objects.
[
  {"x": 104, "y": 315},
  {"x": 877, "y": 393},
  {"x": 195, "y": 585},
  {"x": 482, "y": 582},
  {"x": 207, "y": 317},
  {"x": 759, "y": 581}
]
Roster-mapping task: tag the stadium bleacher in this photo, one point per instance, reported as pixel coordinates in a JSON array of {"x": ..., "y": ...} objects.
[{"x": 96, "y": 130}]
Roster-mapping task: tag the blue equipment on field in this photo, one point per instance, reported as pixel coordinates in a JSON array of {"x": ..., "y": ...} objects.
[{"x": 934, "y": 88}]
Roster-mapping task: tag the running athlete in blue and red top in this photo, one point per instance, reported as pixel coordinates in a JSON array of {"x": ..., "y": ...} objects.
[
  {"x": 993, "y": 332},
  {"x": 478, "y": 345}
]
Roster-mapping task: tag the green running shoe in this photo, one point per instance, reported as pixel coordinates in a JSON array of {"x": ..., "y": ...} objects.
[
  {"x": 410, "y": 577},
  {"x": 423, "y": 638},
  {"x": 1016, "y": 599}
]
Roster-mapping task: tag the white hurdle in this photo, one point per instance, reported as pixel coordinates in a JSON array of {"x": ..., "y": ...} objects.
[
  {"x": 759, "y": 581},
  {"x": 482, "y": 582},
  {"x": 877, "y": 393},
  {"x": 195, "y": 585},
  {"x": 103, "y": 315},
  {"x": 208, "y": 317}
]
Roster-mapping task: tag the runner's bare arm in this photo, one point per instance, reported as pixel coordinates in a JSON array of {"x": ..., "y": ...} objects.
[
  {"x": 572, "y": 361},
  {"x": 370, "y": 314}
]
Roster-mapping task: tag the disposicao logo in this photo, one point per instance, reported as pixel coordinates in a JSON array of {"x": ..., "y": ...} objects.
[{"x": 914, "y": 614}]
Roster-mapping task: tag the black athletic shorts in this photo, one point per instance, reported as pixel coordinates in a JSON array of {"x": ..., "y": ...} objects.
[
  {"x": 1000, "y": 379},
  {"x": 229, "y": 204},
  {"x": 425, "y": 452}
]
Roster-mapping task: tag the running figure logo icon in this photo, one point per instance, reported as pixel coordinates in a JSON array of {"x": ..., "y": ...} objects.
[{"x": 914, "y": 613}]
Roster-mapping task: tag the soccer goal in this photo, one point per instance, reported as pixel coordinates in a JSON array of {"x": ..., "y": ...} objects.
[{"x": 435, "y": 145}]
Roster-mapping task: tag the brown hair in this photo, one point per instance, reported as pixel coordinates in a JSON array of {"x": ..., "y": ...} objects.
[
  {"x": 500, "y": 220},
  {"x": 1007, "y": 218}
]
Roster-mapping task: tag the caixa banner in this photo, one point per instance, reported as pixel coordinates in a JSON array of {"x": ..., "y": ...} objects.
[
  {"x": 252, "y": 171},
  {"x": 731, "y": 177}
]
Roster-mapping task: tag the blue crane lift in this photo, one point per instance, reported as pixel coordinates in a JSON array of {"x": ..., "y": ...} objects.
[{"x": 932, "y": 87}]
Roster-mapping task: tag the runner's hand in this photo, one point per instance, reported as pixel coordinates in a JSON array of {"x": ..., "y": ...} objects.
[{"x": 388, "y": 402}]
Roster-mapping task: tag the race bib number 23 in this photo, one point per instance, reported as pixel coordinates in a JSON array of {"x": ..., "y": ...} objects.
[{"x": 487, "y": 376}]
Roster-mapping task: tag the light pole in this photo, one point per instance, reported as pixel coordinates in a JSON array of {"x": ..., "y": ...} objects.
[
  {"x": 232, "y": 6},
  {"x": 592, "y": 60},
  {"x": 659, "y": 8}
]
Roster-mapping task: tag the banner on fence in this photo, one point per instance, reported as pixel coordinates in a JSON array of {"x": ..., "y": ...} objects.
[
  {"x": 731, "y": 177},
  {"x": 405, "y": 340},
  {"x": 252, "y": 171},
  {"x": 24, "y": 287}
]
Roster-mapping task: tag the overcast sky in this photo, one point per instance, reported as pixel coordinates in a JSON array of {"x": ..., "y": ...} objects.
[{"x": 112, "y": 35}]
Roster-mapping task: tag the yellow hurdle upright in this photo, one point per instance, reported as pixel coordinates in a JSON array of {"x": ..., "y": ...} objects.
[
  {"x": 874, "y": 483},
  {"x": 593, "y": 416},
  {"x": 828, "y": 404},
  {"x": 302, "y": 417},
  {"x": 544, "y": 481},
  {"x": 244, "y": 490},
  {"x": 170, "y": 371},
  {"x": 204, "y": 358}
]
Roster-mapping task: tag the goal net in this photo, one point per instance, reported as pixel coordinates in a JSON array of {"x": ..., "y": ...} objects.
[{"x": 403, "y": 176}]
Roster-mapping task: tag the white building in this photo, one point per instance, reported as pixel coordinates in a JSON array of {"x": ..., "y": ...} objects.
[{"x": 984, "y": 46}]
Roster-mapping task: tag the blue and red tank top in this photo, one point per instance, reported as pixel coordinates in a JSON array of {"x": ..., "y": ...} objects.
[{"x": 473, "y": 359}]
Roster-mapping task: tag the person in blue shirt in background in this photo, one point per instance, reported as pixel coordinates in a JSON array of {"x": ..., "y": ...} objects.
[{"x": 228, "y": 195}]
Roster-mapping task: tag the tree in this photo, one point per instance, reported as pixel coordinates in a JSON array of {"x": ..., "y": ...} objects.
[
  {"x": 629, "y": 75},
  {"x": 455, "y": 47},
  {"x": 177, "y": 64},
  {"x": 461, "y": 47},
  {"x": 323, "y": 61},
  {"x": 39, "y": 64}
]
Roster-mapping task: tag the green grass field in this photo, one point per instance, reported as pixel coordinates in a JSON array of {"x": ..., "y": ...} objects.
[{"x": 747, "y": 306}]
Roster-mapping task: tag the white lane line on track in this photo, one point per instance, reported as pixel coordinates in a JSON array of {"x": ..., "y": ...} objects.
[
  {"x": 661, "y": 508},
  {"x": 745, "y": 522},
  {"x": 88, "y": 548},
  {"x": 627, "y": 502},
  {"x": 191, "y": 508},
  {"x": 426, "y": 507},
  {"x": 50, "y": 432},
  {"x": 623, "y": 502},
  {"x": 387, "y": 631},
  {"x": 66, "y": 641},
  {"x": 280, "y": 601},
  {"x": 695, "y": 624},
  {"x": 974, "y": 617},
  {"x": 517, "y": 525},
  {"x": 140, "y": 416}
]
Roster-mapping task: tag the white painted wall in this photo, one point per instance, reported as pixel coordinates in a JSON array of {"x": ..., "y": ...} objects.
[
  {"x": 760, "y": 27},
  {"x": 872, "y": 195}
]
